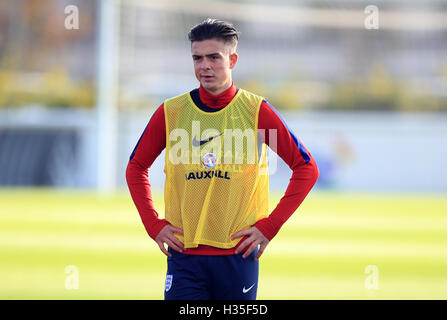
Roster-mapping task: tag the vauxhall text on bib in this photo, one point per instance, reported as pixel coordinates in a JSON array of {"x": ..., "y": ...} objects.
[{"x": 216, "y": 169}]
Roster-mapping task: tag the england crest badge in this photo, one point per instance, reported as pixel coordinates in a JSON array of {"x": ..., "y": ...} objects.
[
  {"x": 168, "y": 283},
  {"x": 209, "y": 160}
]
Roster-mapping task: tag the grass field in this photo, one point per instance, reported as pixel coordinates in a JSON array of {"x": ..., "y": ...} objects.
[{"x": 322, "y": 252}]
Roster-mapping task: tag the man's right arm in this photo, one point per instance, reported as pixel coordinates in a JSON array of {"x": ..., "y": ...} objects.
[{"x": 149, "y": 146}]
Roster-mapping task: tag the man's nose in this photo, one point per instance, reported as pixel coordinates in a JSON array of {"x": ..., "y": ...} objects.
[{"x": 205, "y": 64}]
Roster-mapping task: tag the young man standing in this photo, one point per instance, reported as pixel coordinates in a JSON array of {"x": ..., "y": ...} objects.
[{"x": 216, "y": 223}]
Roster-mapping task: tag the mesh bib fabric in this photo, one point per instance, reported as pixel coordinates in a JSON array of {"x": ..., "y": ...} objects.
[{"x": 216, "y": 173}]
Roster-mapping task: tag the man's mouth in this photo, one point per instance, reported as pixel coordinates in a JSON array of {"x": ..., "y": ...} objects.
[{"x": 207, "y": 77}]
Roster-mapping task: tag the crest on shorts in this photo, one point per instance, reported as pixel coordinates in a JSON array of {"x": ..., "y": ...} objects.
[
  {"x": 168, "y": 283},
  {"x": 209, "y": 160}
]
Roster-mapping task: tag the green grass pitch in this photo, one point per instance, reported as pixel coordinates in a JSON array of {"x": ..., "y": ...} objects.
[{"x": 335, "y": 246}]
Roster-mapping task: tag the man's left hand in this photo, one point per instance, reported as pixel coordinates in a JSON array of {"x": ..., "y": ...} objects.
[{"x": 255, "y": 238}]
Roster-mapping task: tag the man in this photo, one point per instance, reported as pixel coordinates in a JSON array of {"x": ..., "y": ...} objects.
[{"x": 216, "y": 222}]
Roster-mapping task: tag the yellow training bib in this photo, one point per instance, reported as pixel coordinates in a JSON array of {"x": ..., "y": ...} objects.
[{"x": 216, "y": 173}]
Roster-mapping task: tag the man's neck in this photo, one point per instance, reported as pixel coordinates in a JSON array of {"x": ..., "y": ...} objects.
[
  {"x": 228, "y": 85},
  {"x": 217, "y": 101}
]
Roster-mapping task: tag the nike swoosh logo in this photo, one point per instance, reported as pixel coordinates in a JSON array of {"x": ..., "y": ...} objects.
[
  {"x": 196, "y": 143},
  {"x": 246, "y": 290}
]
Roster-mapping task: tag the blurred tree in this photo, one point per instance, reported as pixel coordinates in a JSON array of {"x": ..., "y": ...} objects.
[
  {"x": 42, "y": 62},
  {"x": 377, "y": 92},
  {"x": 53, "y": 89}
]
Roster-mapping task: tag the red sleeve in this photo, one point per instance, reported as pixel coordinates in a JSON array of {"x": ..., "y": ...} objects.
[
  {"x": 298, "y": 158},
  {"x": 151, "y": 144}
]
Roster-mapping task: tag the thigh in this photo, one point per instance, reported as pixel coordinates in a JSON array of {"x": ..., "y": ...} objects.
[
  {"x": 234, "y": 278},
  {"x": 185, "y": 279}
]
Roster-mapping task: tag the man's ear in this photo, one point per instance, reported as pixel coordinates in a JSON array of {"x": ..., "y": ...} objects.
[{"x": 233, "y": 60}]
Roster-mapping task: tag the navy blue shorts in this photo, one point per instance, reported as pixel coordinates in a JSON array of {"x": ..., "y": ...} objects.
[{"x": 198, "y": 277}]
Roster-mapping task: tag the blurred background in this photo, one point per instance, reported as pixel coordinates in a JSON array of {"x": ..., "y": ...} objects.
[
  {"x": 362, "y": 83},
  {"x": 370, "y": 104}
]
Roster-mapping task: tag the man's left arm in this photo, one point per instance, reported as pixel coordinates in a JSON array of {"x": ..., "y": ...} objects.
[{"x": 304, "y": 176}]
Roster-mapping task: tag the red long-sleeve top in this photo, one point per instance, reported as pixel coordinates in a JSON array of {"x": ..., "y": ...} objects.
[{"x": 288, "y": 147}]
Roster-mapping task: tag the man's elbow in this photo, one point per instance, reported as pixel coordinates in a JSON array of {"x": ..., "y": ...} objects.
[
  {"x": 128, "y": 172},
  {"x": 136, "y": 173},
  {"x": 315, "y": 171}
]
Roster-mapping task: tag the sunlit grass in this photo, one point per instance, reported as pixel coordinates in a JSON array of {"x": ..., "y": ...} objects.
[{"x": 320, "y": 253}]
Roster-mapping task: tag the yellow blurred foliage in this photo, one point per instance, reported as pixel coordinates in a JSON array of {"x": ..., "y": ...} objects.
[
  {"x": 286, "y": 95},
  {"x": 52, "y": 89},
  {"x": 381, "y": 92}
]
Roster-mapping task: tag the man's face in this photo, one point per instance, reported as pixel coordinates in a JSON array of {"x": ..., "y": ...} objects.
[{"x": 213, "y": 62}]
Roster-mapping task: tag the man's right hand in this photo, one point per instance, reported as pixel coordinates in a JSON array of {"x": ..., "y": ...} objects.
[{"x": 166, "y": 235}]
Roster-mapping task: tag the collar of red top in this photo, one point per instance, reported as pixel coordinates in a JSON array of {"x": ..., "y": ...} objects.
[{"x": 218, "y": 101}]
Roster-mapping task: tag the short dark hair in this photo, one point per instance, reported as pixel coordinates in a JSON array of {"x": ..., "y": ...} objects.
[{"x": 214, "y": 29}]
